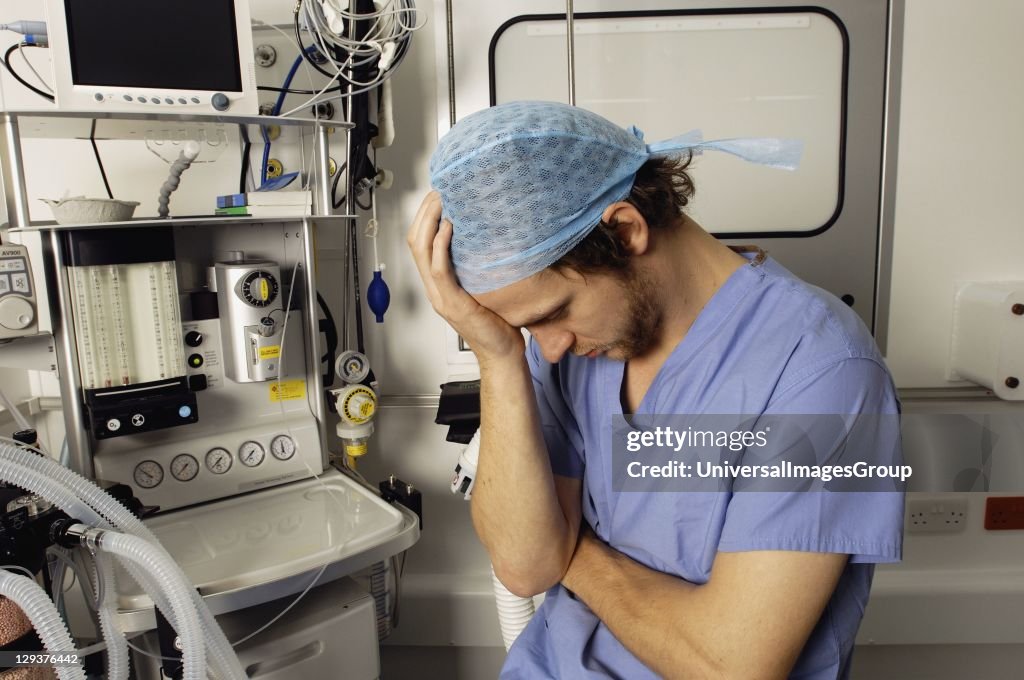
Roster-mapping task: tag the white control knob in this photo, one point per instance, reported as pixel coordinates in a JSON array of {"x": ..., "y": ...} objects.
[
  {"x": 16, "y": 313},
  {"x": 358, "y": 404}
]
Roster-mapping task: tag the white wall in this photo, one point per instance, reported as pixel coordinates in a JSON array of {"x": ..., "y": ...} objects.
[{"x": 960, "y": 172}]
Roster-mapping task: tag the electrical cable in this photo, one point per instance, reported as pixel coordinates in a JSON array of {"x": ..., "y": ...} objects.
[
  {"x": 15, "y": 567},
  {"x": 24, "y": 57},
  {"x": 291, "y": 90},
  {"x": 335, "y": 201},
  {"x": 246, "y": 149},
  {"x": 10, "y": 69},
  {"x": 151, "y": 655},
  {"x": 354, "y": 248},
  {"x": 276, "y": 110},
  {"x": 331, "y": 333},
  {"x": 266, "y": 156},
  {"x": 99, "y": 161},
  {"x": 370, "y": 56},
  {"x": 284, "y": 611}
]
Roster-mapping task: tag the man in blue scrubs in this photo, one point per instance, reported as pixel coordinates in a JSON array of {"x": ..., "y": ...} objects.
[{"x": 550, "y": 218}]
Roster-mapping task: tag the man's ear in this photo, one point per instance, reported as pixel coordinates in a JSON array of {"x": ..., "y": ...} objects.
[{"x": 630, "y": 226}]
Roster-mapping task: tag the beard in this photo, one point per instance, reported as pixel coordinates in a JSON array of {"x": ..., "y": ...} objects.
[{"x": 643, "y": 320}]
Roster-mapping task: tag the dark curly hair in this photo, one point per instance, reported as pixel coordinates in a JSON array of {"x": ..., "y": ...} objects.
[{"x": 661, "y": 190}]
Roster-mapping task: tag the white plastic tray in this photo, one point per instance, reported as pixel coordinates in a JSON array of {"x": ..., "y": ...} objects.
[{"x": 250, "y": 549}]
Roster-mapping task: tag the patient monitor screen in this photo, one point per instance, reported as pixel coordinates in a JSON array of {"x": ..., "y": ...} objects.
[{"x": 181, "y": 45}]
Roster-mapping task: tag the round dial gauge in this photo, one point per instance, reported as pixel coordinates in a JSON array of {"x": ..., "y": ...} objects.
[
  {"x": 259, "y": 288},
  {"x": 251, "y": 454},
  {"x": 283, "y": 447},
  {"x": 148, "y": 474},
  {"x": 218, "y": 461},
  {"x": 184, "y": 467}
]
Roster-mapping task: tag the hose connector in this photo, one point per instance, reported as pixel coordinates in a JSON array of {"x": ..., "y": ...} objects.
[{"x": 70, "y": 533}]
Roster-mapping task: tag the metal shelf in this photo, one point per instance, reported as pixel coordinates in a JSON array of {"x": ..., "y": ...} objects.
[
  {"x": 46, "y": 124},
  {"x": 17, "y": 126},
  {"x": 197, "y": 221}
]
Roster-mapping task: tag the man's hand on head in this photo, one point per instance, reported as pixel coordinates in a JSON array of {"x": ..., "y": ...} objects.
[{"x": 429, "y": 239}]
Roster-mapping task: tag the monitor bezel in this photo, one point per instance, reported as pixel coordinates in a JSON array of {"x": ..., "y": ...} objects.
[{"x": 73, "y": 97}]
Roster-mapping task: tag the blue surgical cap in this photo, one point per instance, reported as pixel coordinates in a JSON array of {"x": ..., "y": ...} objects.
[{"x": 523, "y": 183}]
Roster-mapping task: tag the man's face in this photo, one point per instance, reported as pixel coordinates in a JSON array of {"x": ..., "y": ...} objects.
[{"x": 616, "y": 315}]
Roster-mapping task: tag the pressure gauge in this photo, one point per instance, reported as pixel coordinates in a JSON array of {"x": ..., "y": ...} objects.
[
  {"x": 148, "y": 474},
  {"x": 218, "y": 461},
  {"x": 259, "y": 288},
  {"x": 251, "y": 454},
  {"x": 184, "y": 467},
  {"x": 352, "y": 366},
  {"x": 282, "y": 447}
]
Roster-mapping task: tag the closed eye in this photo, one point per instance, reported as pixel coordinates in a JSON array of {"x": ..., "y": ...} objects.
[{"x": 557, "y": 313}]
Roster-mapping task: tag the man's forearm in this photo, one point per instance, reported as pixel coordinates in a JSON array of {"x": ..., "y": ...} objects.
[
  {"x": 515, "y": 507},
  {"x": 750, "y": 620},
  {"x": 642, "y": 608}
]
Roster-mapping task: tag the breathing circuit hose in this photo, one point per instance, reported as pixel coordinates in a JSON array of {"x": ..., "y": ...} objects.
[
  {"x": 117, "y": 645},
  {"x": 45, "y": 618},
  {"x": 85, "y": 501},
  {"x": 514, "y": 612},
  {"x": 163, "y": 570}
]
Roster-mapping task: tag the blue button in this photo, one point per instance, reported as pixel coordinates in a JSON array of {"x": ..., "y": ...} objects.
[{"x": 185, "y": 411}]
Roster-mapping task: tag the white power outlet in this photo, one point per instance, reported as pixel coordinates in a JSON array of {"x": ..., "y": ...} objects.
[{"x": 936, "y": 515}]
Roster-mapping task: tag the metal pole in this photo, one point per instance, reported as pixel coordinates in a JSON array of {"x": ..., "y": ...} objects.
[
  {"x": 321, "y": 161},
  {"x": 13, "y": 171},
  {"x": 75, "y": 427},
  {"x": 451, "y": 62},
  {"x": 350, "y": 204},
  {"x": 571, "y": 47}
]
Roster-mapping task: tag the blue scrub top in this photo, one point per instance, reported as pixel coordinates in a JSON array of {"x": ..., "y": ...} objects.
[{"x": 766, "y": 343}]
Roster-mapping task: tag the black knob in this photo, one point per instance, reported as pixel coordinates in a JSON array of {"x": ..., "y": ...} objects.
[
  {"x": 25, "y": 437},
  {"x": 193, "y": 338},
  {"x": 220, "y": 101}
]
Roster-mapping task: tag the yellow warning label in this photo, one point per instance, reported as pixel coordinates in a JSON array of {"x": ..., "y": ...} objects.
[
  {"x": 270, "y": 352},
  {"x": 287, "y": 390},
  {"x": 264, "y": 290}
]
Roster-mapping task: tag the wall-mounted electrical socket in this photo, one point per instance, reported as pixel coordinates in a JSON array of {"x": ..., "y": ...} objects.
[
  {"x": 1004, "y": 513},
  {"x": 936, "y": 515}
]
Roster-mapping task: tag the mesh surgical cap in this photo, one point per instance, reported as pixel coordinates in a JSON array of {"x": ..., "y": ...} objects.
[{"x": 524, "y": 182}]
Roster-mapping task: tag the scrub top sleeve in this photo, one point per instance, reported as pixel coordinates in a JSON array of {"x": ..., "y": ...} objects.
[
  {"x": 561, "y": 433},
  {"x": 867, "y": 525}
]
